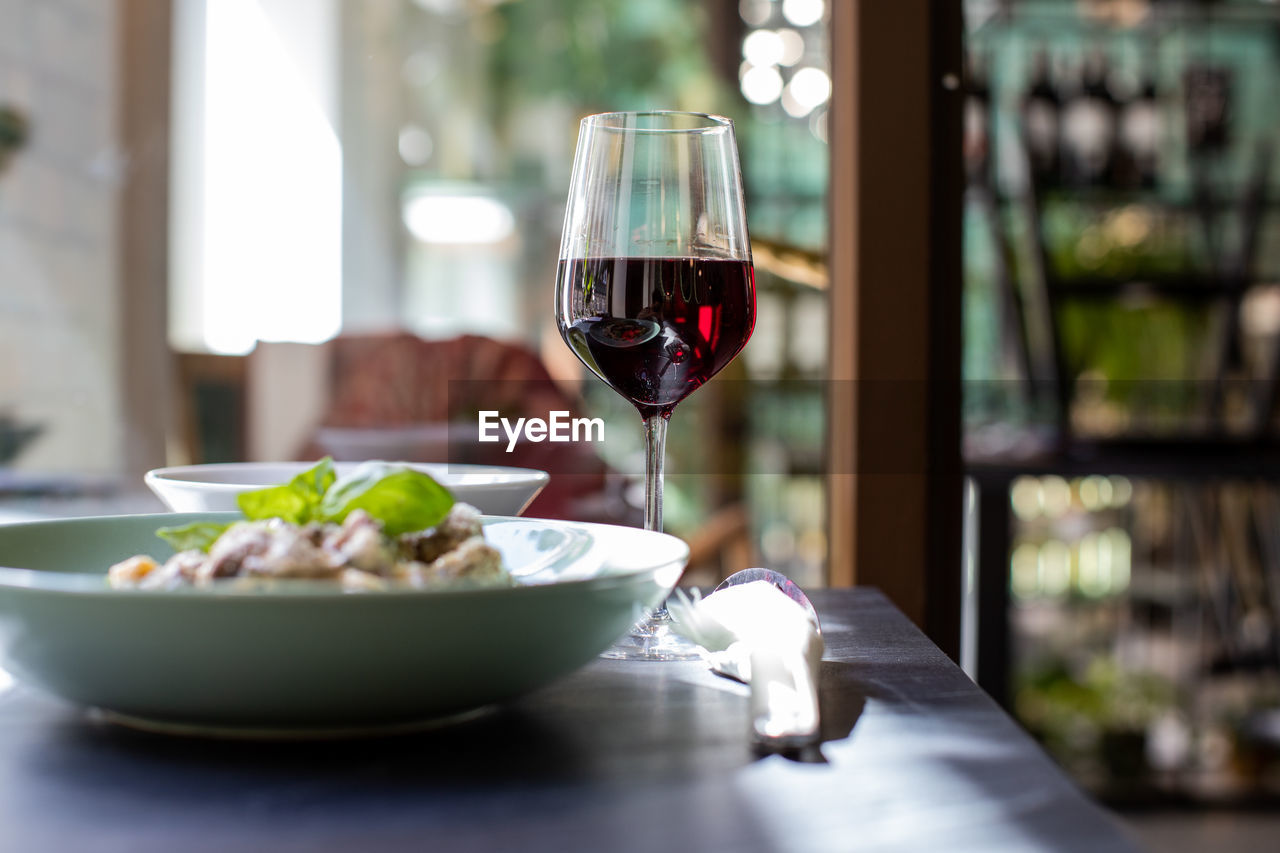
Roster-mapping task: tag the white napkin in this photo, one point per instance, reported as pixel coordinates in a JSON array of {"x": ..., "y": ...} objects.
[{"x": 755, "y": 633}]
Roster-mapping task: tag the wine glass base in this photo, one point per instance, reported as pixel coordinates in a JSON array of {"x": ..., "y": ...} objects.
[{"x": 653, "y": 639}]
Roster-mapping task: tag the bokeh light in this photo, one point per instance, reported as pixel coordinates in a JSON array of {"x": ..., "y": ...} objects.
[
  {"x": 803, "y": 13},
  {"x": 415, "y": 145},
  {"x": 458, "y": 219},
  {"x": 1024, "y": 496},
  {"x": 761, "y": 84},
  {"x": 762, "y": 47},
  {"x": 755, "y": 12},
  {"x": 792, "y": 47},
  {"x": 810, "y": 87}
]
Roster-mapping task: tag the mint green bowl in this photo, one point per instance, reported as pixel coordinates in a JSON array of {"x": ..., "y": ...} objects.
[{"x": 311, "y": 658}]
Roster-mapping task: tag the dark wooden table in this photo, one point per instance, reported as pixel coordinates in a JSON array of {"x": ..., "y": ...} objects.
[{"x": 619, "y": 756}]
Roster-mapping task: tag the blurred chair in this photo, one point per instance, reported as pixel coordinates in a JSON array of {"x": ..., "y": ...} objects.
[{"x": 398, "y": 396}]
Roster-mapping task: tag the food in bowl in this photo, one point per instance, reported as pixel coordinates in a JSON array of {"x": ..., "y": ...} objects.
[
  {"x": 377, "y": 526},
  {"x": 308, "y": 658}
]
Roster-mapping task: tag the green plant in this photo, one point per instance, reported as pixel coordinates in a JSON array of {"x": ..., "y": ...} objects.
[{"x": 13, "y": 133}]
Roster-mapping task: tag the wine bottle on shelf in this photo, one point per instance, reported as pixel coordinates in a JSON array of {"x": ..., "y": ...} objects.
[
  {"x": 1089, "y": 125},
  {"x": 1208, "y": 107},
  {"x": 1139, "y": 135},
  {"x": 1041, "y": 120},
  {"x": 977, "y": 119}
]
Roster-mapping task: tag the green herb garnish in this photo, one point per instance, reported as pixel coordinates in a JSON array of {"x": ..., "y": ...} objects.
[
  {"x": 399, "y": 497},
  {"x": 297, "y": 501},
  {"x": 192, "y": 537}
]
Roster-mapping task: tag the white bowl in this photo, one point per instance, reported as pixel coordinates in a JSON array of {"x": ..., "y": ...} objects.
[
  {"x": 213, "y": 488},
  {"x": 306, "y": 659}
]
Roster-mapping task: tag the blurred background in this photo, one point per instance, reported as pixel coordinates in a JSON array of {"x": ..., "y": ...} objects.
[
  {"x": 221, "y": 221},
  {"x": 373, "y": 192},
  {"x": 1122, "y": 287}
]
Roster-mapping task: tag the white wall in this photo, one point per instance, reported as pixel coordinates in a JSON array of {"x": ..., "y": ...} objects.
[{"x": 59, "y": 288}]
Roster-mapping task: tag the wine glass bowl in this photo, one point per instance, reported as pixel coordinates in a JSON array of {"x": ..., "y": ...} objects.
[
  {"x": 670, "y": 325},
  {"x": 655, "y": 291}
]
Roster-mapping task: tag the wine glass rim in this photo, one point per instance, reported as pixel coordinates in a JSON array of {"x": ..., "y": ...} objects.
[{"x": 602, "y": 121}]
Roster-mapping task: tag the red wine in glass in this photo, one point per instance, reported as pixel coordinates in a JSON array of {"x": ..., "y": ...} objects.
[{"x": 656, "y": 329}]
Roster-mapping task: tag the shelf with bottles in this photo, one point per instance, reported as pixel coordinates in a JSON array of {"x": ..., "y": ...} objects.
[
  {"x": 1072, "y": 539},
  {"x": 1116, "y": 158},
  {"x": 785, "y": 448},
  {"x": 1075, "y": 297},
  {"x": 1155, "y": 105},
  {"x": 1114, "y": 257},
  {"x": 786, "y": 361},
  {"x": 1144, "y": 619}
]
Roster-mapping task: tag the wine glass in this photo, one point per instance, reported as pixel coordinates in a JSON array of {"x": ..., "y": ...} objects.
[{"x": 655, "y": 291}]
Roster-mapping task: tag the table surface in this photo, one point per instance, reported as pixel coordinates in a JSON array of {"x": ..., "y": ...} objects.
[{"x": 619, "y": 756}]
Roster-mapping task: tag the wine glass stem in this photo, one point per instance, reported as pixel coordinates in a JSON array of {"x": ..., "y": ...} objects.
[
  {"x": 655, "y": 448},
  {"x": 655, "y": 445}
]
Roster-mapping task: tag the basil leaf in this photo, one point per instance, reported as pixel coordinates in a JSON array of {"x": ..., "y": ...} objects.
[
  {"x": 198, "y": 536},
  {"x": 317, "y": 479},
  {"x": 403, "y": 499},
  {"x": 297, "y": 501}
]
